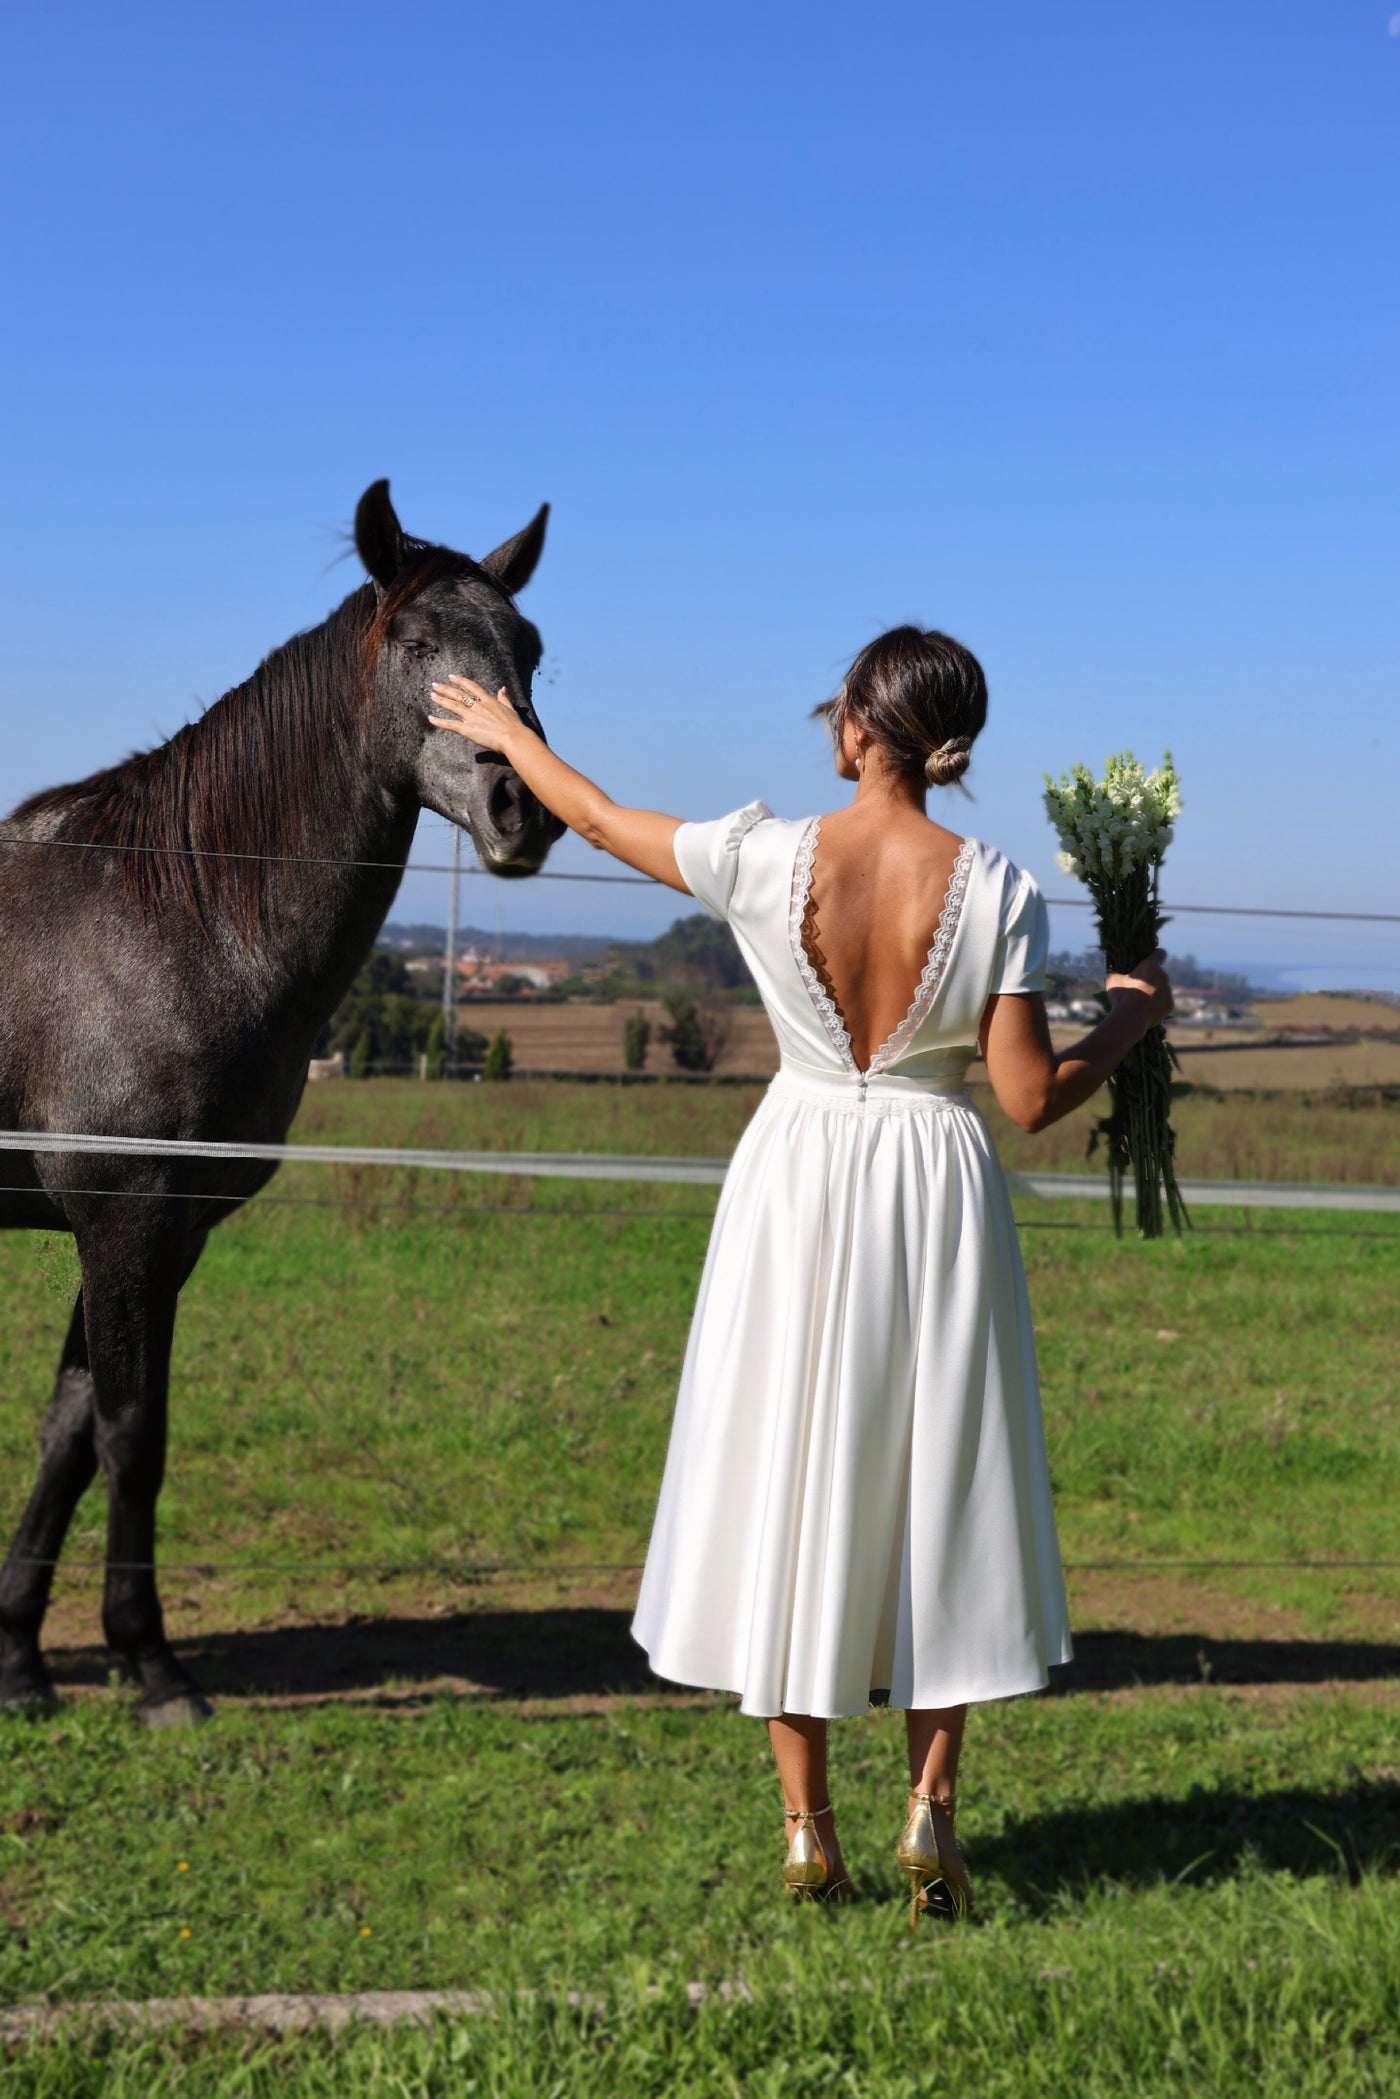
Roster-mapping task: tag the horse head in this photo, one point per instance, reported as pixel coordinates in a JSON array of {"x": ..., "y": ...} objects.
[{"x": 439, "y": 612}]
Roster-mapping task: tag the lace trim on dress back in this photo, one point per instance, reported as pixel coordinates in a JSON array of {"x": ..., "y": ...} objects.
[{"x": 828, "y": 1012}]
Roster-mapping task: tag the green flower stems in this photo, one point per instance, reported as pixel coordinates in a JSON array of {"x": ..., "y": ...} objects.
[{"x": 1137, "y": 1131}]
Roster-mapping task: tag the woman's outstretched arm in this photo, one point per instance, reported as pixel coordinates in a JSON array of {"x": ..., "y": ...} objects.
[
  {"x": 642, "y": 837},
  {"x": 1035, "y": 1084}
]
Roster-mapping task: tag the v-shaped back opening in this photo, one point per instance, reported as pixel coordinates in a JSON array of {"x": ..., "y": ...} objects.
[{"x": 823, "y": 993}]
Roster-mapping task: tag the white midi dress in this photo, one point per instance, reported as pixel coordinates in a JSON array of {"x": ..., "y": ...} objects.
[{"x": 856, "y": 1498}]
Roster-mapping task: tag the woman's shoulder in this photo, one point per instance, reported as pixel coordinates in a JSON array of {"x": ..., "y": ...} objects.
[
  {"x": 1000, "y": 869},
  {"x": 708, "y": 854},
  {"x": 735, "y": 823},
  {"x": 727, "y": 833},
  {"x": 1008, "y": 897}
]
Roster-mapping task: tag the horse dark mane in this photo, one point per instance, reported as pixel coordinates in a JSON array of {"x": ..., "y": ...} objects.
[{"x": 245, "y": 778}]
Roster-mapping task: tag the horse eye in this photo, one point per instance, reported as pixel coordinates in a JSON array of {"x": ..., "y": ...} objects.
[{"x": 419, "y": 648}]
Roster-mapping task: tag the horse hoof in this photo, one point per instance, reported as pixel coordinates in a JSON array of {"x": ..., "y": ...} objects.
[
  {"x": 29, "y": 1700},
  {"x": 183, "y": 1709}
]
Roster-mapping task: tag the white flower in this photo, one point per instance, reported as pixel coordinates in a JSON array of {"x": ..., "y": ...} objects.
[{"x": 1118, "y": 823}]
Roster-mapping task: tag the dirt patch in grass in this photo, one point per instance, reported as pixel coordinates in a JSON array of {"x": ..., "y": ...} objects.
[
  {"x": 16, "y": 1899},
  {"x": 538, "y": 1652},
  {"x": 1382, "y": 1695},
  {"x": 1168, "y": 1604}
]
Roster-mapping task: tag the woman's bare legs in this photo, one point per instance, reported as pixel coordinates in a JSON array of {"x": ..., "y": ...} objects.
[
  {"x": 799, "y": 1748},
  {"x": 935, "y": 1742}
]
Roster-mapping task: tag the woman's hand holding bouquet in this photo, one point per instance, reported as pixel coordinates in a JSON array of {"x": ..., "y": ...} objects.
[{"x": 1114, "y": 834}]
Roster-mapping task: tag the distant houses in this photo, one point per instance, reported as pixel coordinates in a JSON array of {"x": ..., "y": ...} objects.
[
  {"x": 483, "y": 976},
  {"x": 1087, "y": 1010},
  {"x": 1193, "y": 1009}
]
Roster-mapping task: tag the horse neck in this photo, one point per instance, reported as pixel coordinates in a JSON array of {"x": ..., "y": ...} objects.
[
  {"x": 331, "y": 900},
  {"x": 336, "y": 832}
]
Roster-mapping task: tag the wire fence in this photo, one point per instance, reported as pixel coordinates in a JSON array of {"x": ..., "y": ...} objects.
[
  {"x": 535, "y": 1213},
  {"x": 615, "y": 1166},
  {"x": 420, "y": 867},
  {"x": 608, "y": 1167},
  {"x": 571, "y": 1570}
]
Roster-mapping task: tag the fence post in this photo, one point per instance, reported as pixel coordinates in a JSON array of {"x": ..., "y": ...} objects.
[{"x": 449, "y": 974}]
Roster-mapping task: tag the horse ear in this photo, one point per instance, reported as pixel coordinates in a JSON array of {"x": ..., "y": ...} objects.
[
  {"x": 378, "y": 534},
  {"x": 513, "y": 562}
]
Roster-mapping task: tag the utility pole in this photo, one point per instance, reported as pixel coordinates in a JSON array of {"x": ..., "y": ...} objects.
[{"x": 449, "y": 974}]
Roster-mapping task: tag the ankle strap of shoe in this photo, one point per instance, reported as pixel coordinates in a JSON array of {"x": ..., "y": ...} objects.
[
  {"x": 947, "y": 1801},
  {"x": 808, "y": 1814}
]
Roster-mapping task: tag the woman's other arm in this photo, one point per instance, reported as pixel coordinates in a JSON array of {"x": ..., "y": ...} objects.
[
  {"x": 642, "y": 837},
  {"x": 1034, "y": 1083}
]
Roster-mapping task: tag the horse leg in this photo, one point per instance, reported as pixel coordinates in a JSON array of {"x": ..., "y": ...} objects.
[
  {"x": 68, "y": 1460},
  {"x": 130, "y": 1287}
]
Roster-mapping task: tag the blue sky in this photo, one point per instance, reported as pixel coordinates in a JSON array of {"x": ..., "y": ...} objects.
[{"x": 1071, "y": 330}]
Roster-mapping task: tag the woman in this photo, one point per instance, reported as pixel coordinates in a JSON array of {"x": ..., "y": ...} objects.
[{"x": 856, "y": 1497}]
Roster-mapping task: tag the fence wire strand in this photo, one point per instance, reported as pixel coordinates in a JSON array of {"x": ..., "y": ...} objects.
[
  {"x": 584, "y": 1215},
  {"x": 418, "y": 867},
  {"x": 474, "y": 1571},
  {"x": 568, "y": 1570}
]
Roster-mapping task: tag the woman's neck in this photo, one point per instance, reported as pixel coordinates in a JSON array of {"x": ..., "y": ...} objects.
[{"x": 883, "y": 792}]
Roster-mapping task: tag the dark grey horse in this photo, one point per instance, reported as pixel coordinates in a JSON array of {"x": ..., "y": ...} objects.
[{"x": 171, "y": 951}]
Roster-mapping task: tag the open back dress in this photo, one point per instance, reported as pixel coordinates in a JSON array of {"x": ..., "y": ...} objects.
[{"x": 856, "y": 1497}]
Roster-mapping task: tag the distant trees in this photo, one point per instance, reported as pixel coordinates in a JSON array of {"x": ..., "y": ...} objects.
[
  {"x": 697, "y": 951},
  {"x": 435, "y": 1048},
  {"x": 391, "y": 1019},
  {"x": 1229, "y": 984},
  {"x": 500, "y": 1057},
  {"x": 1073, "y": 976},
  {"x": 696, "y": 954},
  {"x": 697, "y": 1033},
  {"x": 380, "y": 1025},
  {"x": 636, "y": 1040}
]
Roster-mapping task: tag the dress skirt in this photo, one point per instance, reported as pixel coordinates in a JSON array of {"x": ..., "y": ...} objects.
[{"x": 856, "y": 1497}]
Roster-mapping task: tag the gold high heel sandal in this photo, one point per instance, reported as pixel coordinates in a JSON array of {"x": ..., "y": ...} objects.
[
  {"x": 806, "y": 1874},
  {"x": 938, "y": 1879}
]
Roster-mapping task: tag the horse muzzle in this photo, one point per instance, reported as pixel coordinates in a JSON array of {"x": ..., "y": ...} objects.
[{"x": 518, "y": 830}]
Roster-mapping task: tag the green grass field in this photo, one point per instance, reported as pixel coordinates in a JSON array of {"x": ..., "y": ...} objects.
[
  {"x": 1338, "y": 1136},
  {"x": 1186, "y": 1861}
]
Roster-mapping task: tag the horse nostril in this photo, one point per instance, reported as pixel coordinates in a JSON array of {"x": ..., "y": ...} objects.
[{"x": 504, "y": 804}]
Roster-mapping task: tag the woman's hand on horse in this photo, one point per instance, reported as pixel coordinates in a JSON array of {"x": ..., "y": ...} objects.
[
  {"x": 1146, "y": 982},
  {"x": 641, "y": 837},
  {"x": 482, "y": 717}
]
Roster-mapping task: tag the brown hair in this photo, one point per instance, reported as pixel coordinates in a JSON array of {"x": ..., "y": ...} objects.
[{"x": 920, "y": 696}]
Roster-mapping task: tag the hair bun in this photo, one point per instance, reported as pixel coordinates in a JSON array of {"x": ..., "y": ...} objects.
[{"x": 949, "y": 762}]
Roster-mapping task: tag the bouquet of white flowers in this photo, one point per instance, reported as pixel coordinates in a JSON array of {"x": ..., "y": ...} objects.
[{"x": 1113, "y": 835}]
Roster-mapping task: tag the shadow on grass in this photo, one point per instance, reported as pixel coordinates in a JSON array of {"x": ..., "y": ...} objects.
[
  {"x": 1201, "y": 1839},
  {"x": 1121, "y": 1661},
  {"x": 589, "y": 1653}
]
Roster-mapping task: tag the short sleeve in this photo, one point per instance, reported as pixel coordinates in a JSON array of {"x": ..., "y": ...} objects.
[
  {"x": 1023, "y": 941},
  {"x": 708, "y": 855}
]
